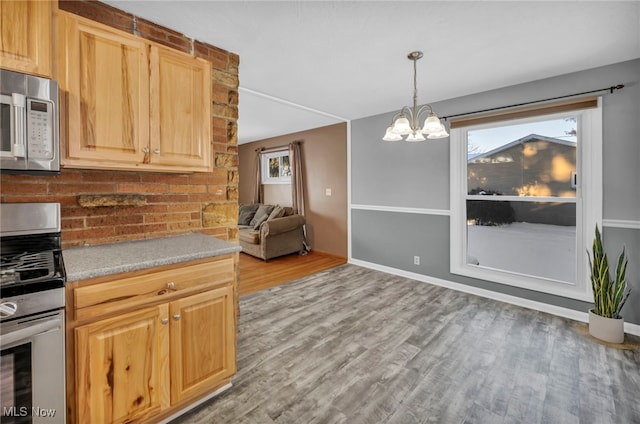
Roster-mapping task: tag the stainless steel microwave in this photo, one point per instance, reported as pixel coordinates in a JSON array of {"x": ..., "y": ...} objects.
[{"x": 28, "y": 123}]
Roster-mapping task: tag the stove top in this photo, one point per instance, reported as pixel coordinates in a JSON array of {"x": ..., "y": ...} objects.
[{"x": 30, "y": 249}]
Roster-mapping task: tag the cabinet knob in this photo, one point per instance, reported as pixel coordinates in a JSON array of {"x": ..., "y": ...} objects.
[
  {"x": 176, "y": 317},
  {"x": 165, "y": 321},
  {"x": 171, "y": 285},
  {"x": 145, "y": 150},
  {"x": 156, "y": 151}
]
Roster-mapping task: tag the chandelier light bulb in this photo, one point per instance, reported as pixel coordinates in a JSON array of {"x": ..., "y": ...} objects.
[
  {"x": 432, "y": 124},
  {"x": 391, "y": 136},
  {"x": 415, "y": 136},
  {"x": 402, "y": 126}
]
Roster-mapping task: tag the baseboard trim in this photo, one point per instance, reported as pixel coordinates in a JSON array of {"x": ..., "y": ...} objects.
[
  {"x": 514, "y": 300},
  {"x": 197, "y": 403}
]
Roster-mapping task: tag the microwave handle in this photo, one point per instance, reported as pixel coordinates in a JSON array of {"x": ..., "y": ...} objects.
[{"x": 19, "y": 123}]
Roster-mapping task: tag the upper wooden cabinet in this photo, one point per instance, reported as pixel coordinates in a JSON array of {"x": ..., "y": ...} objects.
[
  {"x": 180, "y": 104},
  {"x": 26, "y": 37},
  {"x": 105, "y": 75},
  {"x": 131, "y": 104}
]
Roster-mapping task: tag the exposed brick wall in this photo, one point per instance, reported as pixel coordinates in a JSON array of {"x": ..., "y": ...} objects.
[{"x": 166, "y": 204}]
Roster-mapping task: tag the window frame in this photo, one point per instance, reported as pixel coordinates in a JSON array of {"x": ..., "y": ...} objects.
[
  {"x": 588, "y": 204},
  {"x": 264, "y": 164}
]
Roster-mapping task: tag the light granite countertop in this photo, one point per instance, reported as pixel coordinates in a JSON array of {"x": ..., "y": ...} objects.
[{"x": 82, "y": 263}]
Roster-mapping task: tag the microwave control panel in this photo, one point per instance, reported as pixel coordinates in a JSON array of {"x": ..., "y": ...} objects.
[{"x": 40, "y": 129}]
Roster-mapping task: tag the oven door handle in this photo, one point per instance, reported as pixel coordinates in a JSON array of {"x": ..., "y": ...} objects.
[{"x": 30, "y": 331}]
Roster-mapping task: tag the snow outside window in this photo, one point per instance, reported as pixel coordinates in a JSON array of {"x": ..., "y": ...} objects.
[{"x": 525, "y": 197}]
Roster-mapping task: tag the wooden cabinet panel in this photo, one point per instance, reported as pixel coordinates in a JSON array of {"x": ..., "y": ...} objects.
[
  {"x": 202, "y": 342},
  {"x": 106, "y": 76},
  {"x": 140, "y": 357},
  {"x": 25, "y": 36},
  {"x": 180, "y": 109},
  {"x": 125, "y": 293},
  {"x": 122, "y": 367}
]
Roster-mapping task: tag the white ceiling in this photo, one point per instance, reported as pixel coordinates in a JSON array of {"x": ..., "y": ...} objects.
[{"x": 306, "y": 64}]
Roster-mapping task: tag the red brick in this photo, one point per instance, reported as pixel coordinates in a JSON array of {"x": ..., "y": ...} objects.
[
  {"x": 71, "y": 223},
  {"x": 165, "y": 178},
  {"x": 138, "y": 229},
  {"x": 202, "y": 197},
  {"x": 92, "y": 233},
  {"x": 183, "y": 225},
  {"x": 184, "y": 207},
  {"x": 27, "y": 188},
  {"x": 218, "y": 176},
  {"x": 61, "y": 188},
  {"x": 188, "y": 188},
  {"x": 111, "y": 176},
  {"x": 169, "y": 217},
  {"x": 142, "y": 188},
  {"x": 168, "y": 198}
]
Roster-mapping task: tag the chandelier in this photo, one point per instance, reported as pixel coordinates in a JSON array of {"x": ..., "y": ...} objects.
[{"x": 407, "y": 121}]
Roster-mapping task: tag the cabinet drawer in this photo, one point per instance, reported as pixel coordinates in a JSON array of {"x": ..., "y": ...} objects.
[{"x": 126, "y": 293}]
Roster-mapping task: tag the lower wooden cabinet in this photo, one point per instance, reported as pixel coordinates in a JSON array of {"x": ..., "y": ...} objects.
[
  {"x": 123, "y": 367},
  {"x": 202, "y": 342},
  {"x": 145, "y": 363}
]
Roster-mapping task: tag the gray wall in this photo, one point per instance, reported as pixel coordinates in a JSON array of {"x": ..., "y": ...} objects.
[{"x": 416, "y": 175}]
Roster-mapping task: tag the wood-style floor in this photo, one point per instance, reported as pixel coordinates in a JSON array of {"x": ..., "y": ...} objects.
[
  {"x": 256, "y": 274},
  {"x": 354, "y": 345}
]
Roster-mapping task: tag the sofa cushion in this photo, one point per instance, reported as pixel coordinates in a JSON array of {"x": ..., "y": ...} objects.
[
  {"x": 277, "y": 212},
  {"x": 261, "y": 215},
  {"x": 246, "y": 213},
  {"x": 288, "y": 211},
  {"x": 249, "y": 236}
]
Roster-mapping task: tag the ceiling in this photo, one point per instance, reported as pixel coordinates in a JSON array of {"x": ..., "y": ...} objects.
[{"x": 307, "y": 64}]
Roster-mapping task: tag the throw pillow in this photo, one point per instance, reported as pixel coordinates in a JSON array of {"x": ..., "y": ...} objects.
[
  {"x": 246, "y": 213},
  {"x": 277, "y": 212},
  {"x": 261, "y": 215}
]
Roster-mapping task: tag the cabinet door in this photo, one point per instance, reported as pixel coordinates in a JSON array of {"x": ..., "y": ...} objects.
[
  {"x": 180, "y": 110},
  {"x": 122, "y": 371},
  {"x": 203, "y": 350},
  {"x": 25, "y": 36},
  {"x": 105, "y": 74}
]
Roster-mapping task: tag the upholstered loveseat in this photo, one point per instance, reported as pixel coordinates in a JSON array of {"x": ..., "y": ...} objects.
[{"x": 269, "y": 231}]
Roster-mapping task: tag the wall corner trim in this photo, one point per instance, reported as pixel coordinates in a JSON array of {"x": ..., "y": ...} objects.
[{"x": 501, "y": 297}]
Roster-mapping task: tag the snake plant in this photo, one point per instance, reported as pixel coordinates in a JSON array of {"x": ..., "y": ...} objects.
[{"x": 609, "y": 295}]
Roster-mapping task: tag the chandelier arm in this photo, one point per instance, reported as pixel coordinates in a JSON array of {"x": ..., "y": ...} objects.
[{"x": 423, "y": 109}]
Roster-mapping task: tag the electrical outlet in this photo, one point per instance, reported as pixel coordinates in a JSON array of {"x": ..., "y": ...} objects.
[{"x": 416, "y": 260}]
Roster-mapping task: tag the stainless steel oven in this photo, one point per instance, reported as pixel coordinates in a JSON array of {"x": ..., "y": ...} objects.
[
  {"x": 32, "y": 347},
  {"x": 28, "y": 123}
]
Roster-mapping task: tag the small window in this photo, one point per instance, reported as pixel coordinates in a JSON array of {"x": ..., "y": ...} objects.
[{"x": 276, "y": 168}]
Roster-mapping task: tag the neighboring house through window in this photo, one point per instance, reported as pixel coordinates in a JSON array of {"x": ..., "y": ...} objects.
[{"x": 526, "y": 194}]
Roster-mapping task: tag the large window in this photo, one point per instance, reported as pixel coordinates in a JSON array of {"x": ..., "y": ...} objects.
[{"x": 525, "y": 199}]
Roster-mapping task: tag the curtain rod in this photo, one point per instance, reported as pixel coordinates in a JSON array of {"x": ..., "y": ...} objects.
[
  {"x": 276, "y": 148},
  {"x": 610, "y": 89}
]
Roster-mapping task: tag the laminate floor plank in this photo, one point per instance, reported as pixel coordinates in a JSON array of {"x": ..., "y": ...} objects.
[{"x": 353, "y": 345}]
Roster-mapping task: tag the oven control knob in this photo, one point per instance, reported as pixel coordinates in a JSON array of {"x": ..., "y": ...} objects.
[{"x": 7, "y": 309}]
